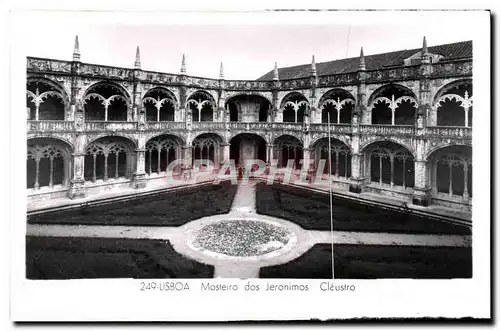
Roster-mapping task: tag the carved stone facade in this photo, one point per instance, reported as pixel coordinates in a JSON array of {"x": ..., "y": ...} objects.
[{"x": 123, "y": 127}]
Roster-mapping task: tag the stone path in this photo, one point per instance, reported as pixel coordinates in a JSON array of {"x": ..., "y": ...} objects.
[
  {"x": 243, "y": 207},
  {"x": 244, "y": 199}
]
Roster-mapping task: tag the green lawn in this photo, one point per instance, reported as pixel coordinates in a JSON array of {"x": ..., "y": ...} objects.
[
  {"x": 161, "y": 209},
  {"x": 311, "y": 211},
  {"x": 74, "y": 258},
  {"x": 370, "y": 261}
]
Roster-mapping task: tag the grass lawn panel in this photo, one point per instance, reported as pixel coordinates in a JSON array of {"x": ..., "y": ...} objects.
[
  {"x": 162, "y": 209},
  {"x": 75, "y": 258},
  {"x": 373, "y": 261},
  {"x": 311, "y": 210}
]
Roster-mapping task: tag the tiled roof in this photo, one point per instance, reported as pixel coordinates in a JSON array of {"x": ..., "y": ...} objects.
[{"x": 452, "y": 51}]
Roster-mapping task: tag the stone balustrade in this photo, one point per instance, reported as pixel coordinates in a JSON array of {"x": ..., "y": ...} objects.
[
  {"x": 50, "y": 126},
  {"x": 103, "y": 126},
  {"x": 248, "y": 126},
  {"x": 459, "y": 132},
  {"x": 165, "y": 126},
  {"x": 210, "y": 126},
  {"x": 389, "y": 130},
  {"x": 334, "y": 128},
  {"x": 451, "y": 132},
  {"x": 286, "y": 126}
]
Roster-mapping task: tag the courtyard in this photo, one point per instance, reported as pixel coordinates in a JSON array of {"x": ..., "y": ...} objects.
[{"x": 247, "y": 230}]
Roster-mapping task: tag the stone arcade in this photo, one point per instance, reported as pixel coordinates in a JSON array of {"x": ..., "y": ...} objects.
[{"x": 401, "y": 123}]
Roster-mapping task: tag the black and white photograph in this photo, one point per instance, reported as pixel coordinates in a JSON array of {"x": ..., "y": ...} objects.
[{"x": 270, "y": 157}]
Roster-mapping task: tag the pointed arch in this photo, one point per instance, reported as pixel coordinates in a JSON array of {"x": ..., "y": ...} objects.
[
  {"x": 48, "y": 163},
  {"x": 109, "y": 157},
  {"x": 450, "y": 172},
  {"x": 389, "y": 164},
  {"x": 341, "y": 154},
  {"x": 288, "y": 149}
]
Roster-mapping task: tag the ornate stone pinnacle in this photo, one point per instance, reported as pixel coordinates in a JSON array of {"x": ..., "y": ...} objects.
[
  {"x": 76, "y": 51},
  {"x": 313, "y": 67},
  {"x": 183, "y": 64},
  {"x": 275, "y": 72},
  {"x": 221, "y": 71},
  {"x": 424, "y": 47},
  {"x": 137, "y": 64},
  {"x": 362, "y": 64}
]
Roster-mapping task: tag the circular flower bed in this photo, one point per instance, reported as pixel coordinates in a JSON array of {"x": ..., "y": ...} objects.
[{"x": 242, "y": 238}]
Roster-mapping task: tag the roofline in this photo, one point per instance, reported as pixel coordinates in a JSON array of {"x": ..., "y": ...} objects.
[{"x": 368, "y": 56}]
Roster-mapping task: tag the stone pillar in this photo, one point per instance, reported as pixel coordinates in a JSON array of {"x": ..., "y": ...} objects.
[
  {"x": 133, "y": 113},
  {"x": 421, "y": 190},
  {"x": 77, "y": 183},
  {"x": 75, "y": 86},
  {"x": 269, "y": 153},
  {"x": 187, "y": 164},
  {"x": 361, "y": 113},
  {"x": 307, "y": 165},
  {"x": 424, "y": 97},
  {"x": 139, "y": 180},
  {"x": 357, "y": 166},
  {"x": 225, "y": 152},
  {"x": 307, "y": 158},
  {"x": 357, "y": 173}
]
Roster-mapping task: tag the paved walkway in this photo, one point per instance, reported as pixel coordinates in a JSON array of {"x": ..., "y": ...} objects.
[
  {"x": 244, "y": 199},
  {"x": 243, "y": 207}
]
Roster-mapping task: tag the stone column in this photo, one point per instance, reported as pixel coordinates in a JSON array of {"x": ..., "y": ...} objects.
[
  {"x": 75, "y": 87},
  {"x": 424, "y": 108},
  {"x": 357, "y": 166},
  {"x": 421, "y": 191},
  {"x": 307, "y": 167},
  {"x": 187, "y": 165},
  {"x": 139, "y": 180},
  {"x": 135, "y": 108},
  {"x": 357, "y": 173},
  {"x": 225, "y": 152},
  {"x": 306, "y": 158},
  {"x": 77, "y": 183},
  {"x": 269, "y": 153}
]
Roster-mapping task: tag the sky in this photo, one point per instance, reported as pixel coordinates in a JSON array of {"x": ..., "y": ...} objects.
[{"x": 248, "y": 50}]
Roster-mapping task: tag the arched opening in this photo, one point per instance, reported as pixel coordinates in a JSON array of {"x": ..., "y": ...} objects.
[
  {"x": 390, "y": 164},
  {"x": 109, "y": 158},
  {"x": 293, "y": 107},
  {"x": 451, "y": 172},
  {"x": 47, "y": 163},
  {"x": 339, "y": 104},
  {"x": 202, "y": 106},
  {"x": 289, "y": 114},
  {"x": 44, "y": 102},
  {"x": 329, "y": 113},
  {"x": 454, "y": 105},
  {"x": 207, "y": 147},
  {"x": 233, "y": 112},
  {"x": 248, "y": 108},
  {"x": 381, "y": 113},
  {"x": 340, "y": 157},
  {"x": 393, "y": 105},
  {"x": 288, "y": 149},
  {"x": 105, "y": 102},
  {"x": 247, "y": 146},
  {"x": 159, "y": 105},
  {"x": 161, "y": 151}
]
